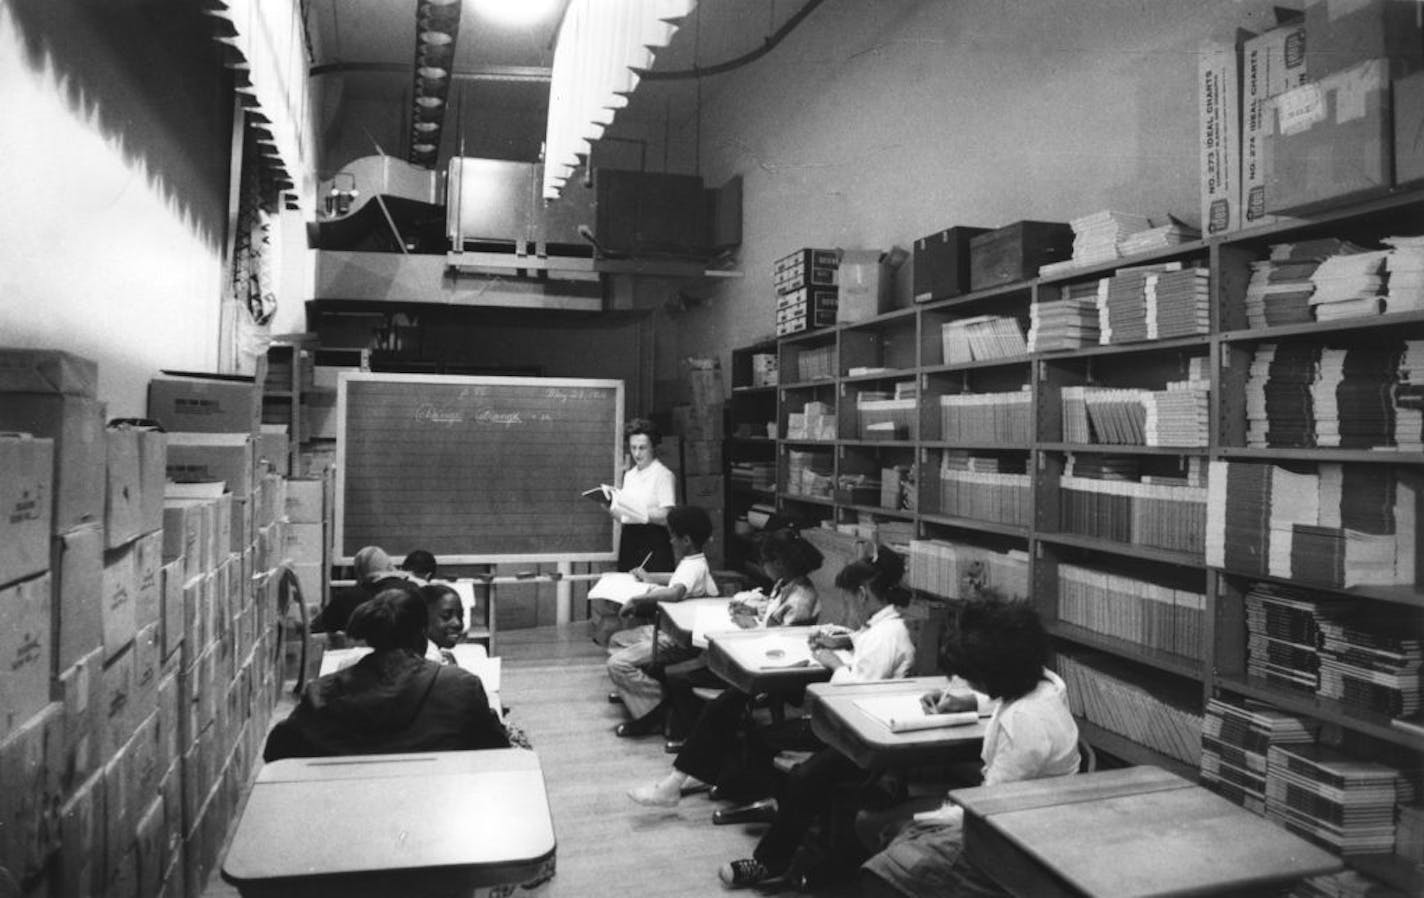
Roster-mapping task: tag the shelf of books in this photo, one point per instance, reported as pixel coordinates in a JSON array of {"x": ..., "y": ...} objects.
[{"x": 1202, "y": 462}]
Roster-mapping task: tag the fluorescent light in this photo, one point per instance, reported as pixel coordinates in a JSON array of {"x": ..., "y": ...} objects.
[{"x": 515, "y": 12}]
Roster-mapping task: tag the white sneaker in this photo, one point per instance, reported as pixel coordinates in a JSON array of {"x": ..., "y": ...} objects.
[{"x": 650, "y": 796}]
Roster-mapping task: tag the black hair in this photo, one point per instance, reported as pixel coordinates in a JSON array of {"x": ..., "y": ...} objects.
[
  {"x": 421, "y": 563},
  {"x": 394, "y": 619},
  {"x": 432, "y": 593},
  {"x": 691, "y": 521},
  {"x": 998, "y": 646},
  {"x": 880, "y": 573},
  {"x": 796, "y": 556},
  {"x": 645, "y": 427}
]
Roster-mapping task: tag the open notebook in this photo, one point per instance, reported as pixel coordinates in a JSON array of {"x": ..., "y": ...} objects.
[
  {"x": 619, "y": 587},
  {"x": 901, "y": 713}
]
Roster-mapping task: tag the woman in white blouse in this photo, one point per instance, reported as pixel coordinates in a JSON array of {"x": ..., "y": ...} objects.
[{"x": 650, "y": 487}]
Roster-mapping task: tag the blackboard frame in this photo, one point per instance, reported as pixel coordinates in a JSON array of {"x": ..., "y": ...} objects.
[{"x": 610, "y": 474}]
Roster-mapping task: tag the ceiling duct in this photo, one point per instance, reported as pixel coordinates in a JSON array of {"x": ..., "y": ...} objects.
[{"x": 437, "y": 27}]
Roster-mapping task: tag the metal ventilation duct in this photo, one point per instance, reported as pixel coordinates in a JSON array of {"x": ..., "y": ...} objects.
[{"x": 437, "y": 27}]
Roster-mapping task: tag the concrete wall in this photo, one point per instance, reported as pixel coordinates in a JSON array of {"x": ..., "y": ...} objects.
[
  {"x": 115, "y": 143},
  {"x": 874, "y": 124}
]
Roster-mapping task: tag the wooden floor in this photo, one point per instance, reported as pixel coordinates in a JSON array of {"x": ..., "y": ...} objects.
[{"x": 555, "y": 684}]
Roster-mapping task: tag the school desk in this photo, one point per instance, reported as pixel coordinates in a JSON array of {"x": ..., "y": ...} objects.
[
  {"x": 469, "y": 655},
  {"x": 839, "y": 721},
  {"x": 436, "y": 823},
  {"x": 1140, "y": 831},
  {"x": 691, "y": 620},
  {"x": 775, "y": 660}
]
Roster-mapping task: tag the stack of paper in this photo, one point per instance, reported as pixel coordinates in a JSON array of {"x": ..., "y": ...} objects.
[
  {"x": 1332, "y": 799},
  {"x": 1349, "y": 286},
  {"x": 1069, "y": 322},
  {"x": 1159, "y": 237},
  {"x": 1405, "y": 266},
  {"x": 1408, "y": 395},
  {"x": 1178, "y": 303}
]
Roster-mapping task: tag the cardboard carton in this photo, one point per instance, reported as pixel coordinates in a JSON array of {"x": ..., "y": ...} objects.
[
  {"x": 82, "y": 827},
  {"x": 76, "y": 424},
  {"x": 1331, "y": 140},
  {"x": 30, "y": 760},
  {"x": 1272, "y": 63},
  {"x": 26, "y": 505},
  {"x": 866, "y": 280},
  {"x": 171, "y": 613},
  {"x": 304, "y": 501},
  {"x": 79, "y": 689},
  {"x": 148, "y": 590},
  {"x": 1345, "y": 33},
  {"x": 120, "y": 591},
  {"x": 212, "y": 457},
  {"x": 77, "y": 619},
  {"x": 1219, "y": 101},
  {"x": 153, "y": 474},
  {"x": 305, "y": 543},
  {"x": 119, "y": 714},
  {"x": 123, "y": 502},
  {"x": 47, "y": 371},
  {"x": 1409, "y": 129},
  {"x": 24, "y": 651},
  {"x": 205, "y": 405}
]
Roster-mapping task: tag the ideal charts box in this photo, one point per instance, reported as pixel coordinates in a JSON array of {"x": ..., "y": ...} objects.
[
  {"x": 1219, "y": 135},
  {"x": 206, "y": 405},
  {"x": 26, "y": 507},
  {"x": 1331, "y": 140},
  {"x": 1272, "y": 63},
  {"x": 24, "y": 651}
]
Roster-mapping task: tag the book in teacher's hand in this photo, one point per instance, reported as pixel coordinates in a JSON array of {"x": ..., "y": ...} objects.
[{"x": 612, "y": 497}]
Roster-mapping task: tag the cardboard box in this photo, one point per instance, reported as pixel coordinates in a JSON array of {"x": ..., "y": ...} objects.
[
  {"x": 120, "y": 816},
  {"x": 47, "y": 371},
  {"x": 148, "y": 590},
  {"x": 1345, "y": 33},
  {"x": 205, "y": 405},
  {"x": 1272, "y": 63},
  {"x": 1015, "y": 252},
  {"x": 212, "y": 457},
  {"x": 183, "y": 535},
  {"x": 120, "y": 591},
  {"x": 77, "y": 618},
  {"x": 123, "y": 502},
  {"x": 81, "y": 849},
  {"x": 222, "y": 528},
  {"x": 151, "y": 847},
  {"x": 76, "y": 425},
  {"x": 305, "y": 543},
  {"x": 25, "y": 654},
  {"x": 26, "y": 505},
  {"x": 702, "y": 457},
  {"x": 1331, "y": 140},
  {"x": 148, "y": 666},
  {"x": 866, "y": 276},
  {"x": 79, "y": 688},
  {"x": 153, "y": 475},
  {"x": 1219, "y": 124},
  {"x": 117, "y": 707},
  {"x": 941, "y": 263},
  {"x": 705, "y": 491},
  {"x": 274, "y": 449},
  {"x": 304, "y": 501},
  {"x": 1409, "y": 129},
  {"x": 30, "y": 760},
  {"x": 171, "y": 606}
]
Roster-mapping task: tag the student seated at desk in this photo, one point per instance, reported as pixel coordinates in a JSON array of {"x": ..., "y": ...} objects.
[
  {"x": 420, "y": 564},
  {"x": 392, "y": 700},
  {"x": 1000, "y": 648},
  {"x": 882, "y": 649},
  {"x": 788, "y": 560},
  {"x": 445, "y": 614},
  {"x": 633, "y": 650},
  {"x": 374, "y": 571}
]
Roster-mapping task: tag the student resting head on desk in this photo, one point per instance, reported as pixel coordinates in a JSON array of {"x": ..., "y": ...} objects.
[
  {"x": 793, "y": 848},
  {"x": 1000, "y": 648},
  {"x": 392, "y": 700},
  {"x": 632, "y": 650}
]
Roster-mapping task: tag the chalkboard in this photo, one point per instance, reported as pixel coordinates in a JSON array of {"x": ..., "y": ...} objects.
[{"x": 476, "y": 469}]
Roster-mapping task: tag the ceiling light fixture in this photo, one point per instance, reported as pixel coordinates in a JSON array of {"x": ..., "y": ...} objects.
[
  {"x": 599, "y": 44},
  {"x": 437, "y": 25}
]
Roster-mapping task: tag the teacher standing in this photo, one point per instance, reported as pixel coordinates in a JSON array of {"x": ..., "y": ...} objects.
[{"x": 649, "y": 486}]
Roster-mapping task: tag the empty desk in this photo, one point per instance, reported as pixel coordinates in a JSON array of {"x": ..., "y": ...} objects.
[
  {"x": 429, "y": 824},
  {"x": 1125, "y": 833}
]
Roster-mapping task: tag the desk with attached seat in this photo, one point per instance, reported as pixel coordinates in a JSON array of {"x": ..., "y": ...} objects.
[
  {"x": 748, "y": 660},
  {"x": 839, "y": 722},
  {"x": 424, "y": 824},
  {"x": 1130, "y": 833}
]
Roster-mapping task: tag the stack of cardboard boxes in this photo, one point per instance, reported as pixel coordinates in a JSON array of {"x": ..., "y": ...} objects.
[
  {"x": 102, "y": 703},
  {"x": 700, "y": 424},
  {"x": 807, "y": 294}
]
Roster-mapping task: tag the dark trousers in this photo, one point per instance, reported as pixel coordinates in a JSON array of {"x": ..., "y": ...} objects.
[
  {"x": 684, "y": 707},
  {"x": 806, "y": 795},
  {"x": 716, "y": 737},
  {"x": 637, "y": 540}
]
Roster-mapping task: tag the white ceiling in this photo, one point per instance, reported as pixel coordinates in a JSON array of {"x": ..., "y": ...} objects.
[{"x": 364, "y": 53}]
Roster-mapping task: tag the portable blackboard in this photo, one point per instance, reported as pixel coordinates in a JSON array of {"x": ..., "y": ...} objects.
[{"x": 476, "y": 469}]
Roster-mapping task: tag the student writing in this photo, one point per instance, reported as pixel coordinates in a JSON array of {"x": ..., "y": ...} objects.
[{"x": 633, "y": 650}]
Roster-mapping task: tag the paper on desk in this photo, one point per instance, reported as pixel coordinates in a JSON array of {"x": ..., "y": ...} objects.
[
  {"x": 711, "y": 619},
  {"x": 902, "y": 713},
  {"x": 619, "y": 587},
  {"x": 775, "y": 651}
]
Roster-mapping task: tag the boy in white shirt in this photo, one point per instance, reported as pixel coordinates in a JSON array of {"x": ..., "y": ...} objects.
[{"x": 632, "y": 650}]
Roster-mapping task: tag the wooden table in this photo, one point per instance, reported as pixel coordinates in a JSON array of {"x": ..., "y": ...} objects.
[
  {"x": 1140, "y": 831},
  {"x": 840, "y": 723},
  {"x": 438, "y": 823},
  {"x": 741, "y": 659}
]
